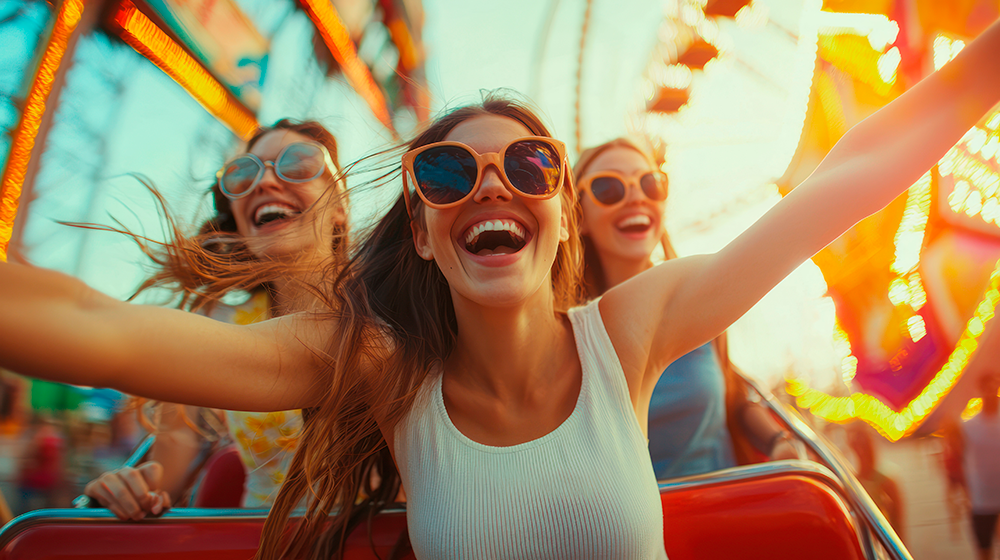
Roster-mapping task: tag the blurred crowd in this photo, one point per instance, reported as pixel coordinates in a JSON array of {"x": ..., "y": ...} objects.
[{"x": 54, "y": 438}]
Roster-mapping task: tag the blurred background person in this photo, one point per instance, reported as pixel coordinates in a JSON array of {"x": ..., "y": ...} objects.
[
  {"x": 42, "y": 472},
  {"x": 979, "y": 443},
  {"x": 277, "y": 203},
  {"x": 883, "y": 488},
  {"x": 956, "y": 493},
  {"x": 699, "y": 403}
]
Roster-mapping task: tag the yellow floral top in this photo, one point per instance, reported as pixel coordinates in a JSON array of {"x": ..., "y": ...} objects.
[{"x": 266, "y": 440}]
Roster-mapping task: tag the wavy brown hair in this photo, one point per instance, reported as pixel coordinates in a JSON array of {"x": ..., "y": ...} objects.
[
  {"x": 396, "y": 318},
  {"x": 202, "y": 268},
  {"x": 595, "y": 284}
]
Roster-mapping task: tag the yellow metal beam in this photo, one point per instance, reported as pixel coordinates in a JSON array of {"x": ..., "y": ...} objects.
[{"x": 67, "y": 18}]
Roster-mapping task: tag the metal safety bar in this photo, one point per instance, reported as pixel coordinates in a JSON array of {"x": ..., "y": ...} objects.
[
  {"x": 859, "y": 499},
  {"x": 138, "y": 454}
]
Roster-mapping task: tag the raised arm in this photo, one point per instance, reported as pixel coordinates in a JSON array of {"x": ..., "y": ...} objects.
[
  {"x": 679, "y": 305},
  {"x": 54, "y": 327}
]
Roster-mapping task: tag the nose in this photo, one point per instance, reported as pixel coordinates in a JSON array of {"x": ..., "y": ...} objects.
[
  {"x": 633, "y": 192},
  {"x": 270, "y": 178},
  {"x": 491, "y": 187}
]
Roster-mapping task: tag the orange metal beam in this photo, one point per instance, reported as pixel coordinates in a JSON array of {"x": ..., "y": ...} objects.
[
  {"x": 139, "y": 32},
  {"x": 338, "y": 40},
  {"x": 70, "y": 12}
]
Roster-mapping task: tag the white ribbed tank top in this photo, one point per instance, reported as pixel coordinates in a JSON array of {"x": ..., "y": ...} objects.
[{"x": 584, "y": 490}]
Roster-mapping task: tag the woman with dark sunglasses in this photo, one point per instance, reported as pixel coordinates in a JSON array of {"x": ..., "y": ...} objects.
[
  {"x": 274, "y": 203},
  {"x": 516, "y": 419},
  {"x": 699, "y": 400}
]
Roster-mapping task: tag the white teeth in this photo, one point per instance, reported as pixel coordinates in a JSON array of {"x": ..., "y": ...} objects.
[
  {"x": 635, "y": 220},
  {"x": 283, "y": 209},
  {"x": 494, "y": 225}
]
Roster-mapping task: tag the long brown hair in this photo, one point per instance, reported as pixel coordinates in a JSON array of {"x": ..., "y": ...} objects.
[
  {"x": 595, "y": 284},
  {"x": 216, "y": 261},
  {"x": 396, "y": 318}
]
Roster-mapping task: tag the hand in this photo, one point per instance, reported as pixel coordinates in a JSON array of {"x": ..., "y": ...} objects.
[{"x": 131, "y": 493}]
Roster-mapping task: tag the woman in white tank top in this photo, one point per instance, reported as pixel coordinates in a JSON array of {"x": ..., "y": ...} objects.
[{"x": 518, "y": 426}]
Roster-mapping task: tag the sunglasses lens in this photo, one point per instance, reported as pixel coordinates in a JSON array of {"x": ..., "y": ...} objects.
[
  {"x": 300, "y": 162},
  {"x": 654, "y": 185},
  {"x": 533, "y": 167},
  {"x": 445, "y": 174},
  {"x": 607, "y": 190},
  {"x": 238, "y": 176}
]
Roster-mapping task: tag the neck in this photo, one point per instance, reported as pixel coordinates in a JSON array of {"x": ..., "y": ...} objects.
[
  {"x": 509, "y": 352},
  {"x": 617, "y": 270}
]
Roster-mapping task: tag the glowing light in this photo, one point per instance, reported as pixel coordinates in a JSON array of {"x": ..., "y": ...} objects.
[
  {"x": 338, "y": 40},
  {"x": 890, "y": 423},
  {"x": 887, "y": 65},
  {"x": 910, "y": 235},
  {"x": 972, "y": 408},
  {"x": 916, "y": 327},
  {"x": 991, "y": 185},
  {"x": 855, "y": 56},
  {"x": 23, "y": 138},
  {"x": 150, "y": 41},
  {"x": 957, "y": 197},
  {"x": 752, "y": 16},
  {"x": 880, "y": 30},
  {"x": 842, "y": 345},
  {"x": 994, "y": 122},
  {"x": 848, "y": 369},
  {"x": 946, "y": 49},
  {"x": 974, "y": 174},
  {"x": 976, "y": 326},
  {"x": 918, "y": 297},
  {"x": 973, "y": 203},
  {"x": 976, "y": 139},
  {"x": 674, "y": 76},
  {"x": 899, "y": 291},
  {"x": 990, "y": 148}
]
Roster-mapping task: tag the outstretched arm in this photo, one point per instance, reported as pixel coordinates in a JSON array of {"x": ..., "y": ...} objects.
[
  {"x": 54, "y": 327},
  {"x": 685, "y": 302}
]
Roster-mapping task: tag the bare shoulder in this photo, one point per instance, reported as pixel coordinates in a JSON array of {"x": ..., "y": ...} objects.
[
  {"x": 634, "y": 308},
  {"x": 633, "y": 316}
]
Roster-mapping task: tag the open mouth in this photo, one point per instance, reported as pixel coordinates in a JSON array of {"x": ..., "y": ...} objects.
[
  {"x": 637, "y": 223},
  {"x": 271, "y": 213},
  {"x": 495, "y": 237}
]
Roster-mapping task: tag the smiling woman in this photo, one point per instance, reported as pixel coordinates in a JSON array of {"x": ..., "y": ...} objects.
[
  {"x": 275, "y": 205},
  {"x": 516, "y": 419}
]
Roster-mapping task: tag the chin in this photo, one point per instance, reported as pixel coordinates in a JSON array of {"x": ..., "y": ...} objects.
[{"x": 499, "y": 292}]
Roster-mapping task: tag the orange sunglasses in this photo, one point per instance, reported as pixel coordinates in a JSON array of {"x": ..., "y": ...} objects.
[
  {"x": 446, "y": 174},
  {"x": 609, "y": 188}
]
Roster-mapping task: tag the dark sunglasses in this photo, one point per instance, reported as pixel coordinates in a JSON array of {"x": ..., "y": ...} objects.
[
  {"x": 299, "y": 162},
  {"x": 608, "y": 188},
  {"x": 446, "y": 174}
]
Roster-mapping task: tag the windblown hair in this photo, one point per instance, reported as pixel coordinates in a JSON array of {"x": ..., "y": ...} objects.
[
  {"x": 595, "y": 284},
  {"x": 216, "y": 261},
  {"x": 395, "y": 318}
]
